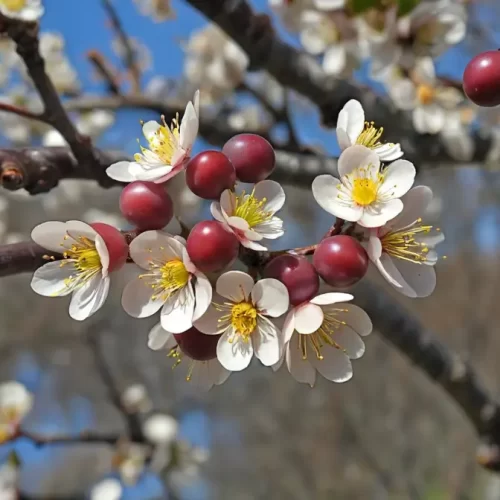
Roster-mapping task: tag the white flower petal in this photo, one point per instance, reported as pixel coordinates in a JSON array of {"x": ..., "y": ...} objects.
[
  {"x": 358, "y": 320},
  {"x": 300, "y": 369},
  {"x": 421, "y": 278},
  {"x": 357, "y": 156},
  {"x": 121, "y": 171},
  {"x": 272, "y": 192},
  {"x": 415, "y": 202},
  {"x": 429, "y": 119},
  {"x": 89, "y": 298},
  {"x": 218, "y": 374},
  {"x": 189, "y": 127},
  {"x": 228, "y": 202},
  {"x": 108, "y": 489},
  {"x": 137, "y": 299},
  {"x": 391, "y": 273},
  {"x": 150, "y": 128},
  {"x": 203, "y": 293},
  {"x": 335, "y": 365},
  {"x": 177, "y": 312},
  {"x": 154, "y": 245},
  {"x": 424, "y": 71},
  {"x": 102, "y": 251},
  {"x": 374, "y": 247},
  {"x": 236, "y": 355},
  {"x": 351, "y": 120},
  {"x": 398, "y": 179},
  {"x": 209, "y": 323},
  {"x": 159, "y": 338},
  {"x": 389, "y": 151},
  {"x": 404, "y": 94},
  {"x": 325, "y": 191},
  {"x": 271, "y": 297},
  {"x": 266, "y": 342},
  {"x": 350, "y": 342},
  {"x": 334, "y": 60},
  {"x": 216, "y": 211},
  {"x": 331, "y": 298},
  {"x": 288, "y": 327},
  {"x": 49, "y": 235},
  {"x": 378, "y": 214},
  {"x": 252, "y": 245},
  {"x": 235, "y": 286},
  {"x": 308, "y": 318},
  {"x": 49, "y": 280}
]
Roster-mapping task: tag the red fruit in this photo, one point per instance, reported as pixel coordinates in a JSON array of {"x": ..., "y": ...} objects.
[
  {"x": 115, "y": 243},
  {"x": 211, "y": 246},
  {"x": 209, "y": 173},
  {"x": 197, "y": 345},
  {"x": 297, "y": 274},
  {"x": 146, "y": 205},
  {"x": 340, "y": 260},
  {"x": 481, "y": 79},
  {"x": 251, "y": 155}
]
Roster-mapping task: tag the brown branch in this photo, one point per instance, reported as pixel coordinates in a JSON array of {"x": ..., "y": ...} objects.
[
  {"x": 301, "y": 72},
  {"x": 105, "y": 70},
  {"x": 130, "y": 59},
  {"x": 83, "y": 437},
  {"x": 25, "y": 36},
  {"x": 25, "y": 113}
]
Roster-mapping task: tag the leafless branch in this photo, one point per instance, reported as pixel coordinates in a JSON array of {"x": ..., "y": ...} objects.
[
  {"x": 25, "y": 113},
  {"x": 105, "y": 71},
  {"x": 130, "y": 58}
]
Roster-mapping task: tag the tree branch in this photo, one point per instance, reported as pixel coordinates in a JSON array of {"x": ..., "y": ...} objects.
[
  {"x": 105, "y": 70},
  {"x": 130, "y": 59},
  {"x": 301, "y": 72}
]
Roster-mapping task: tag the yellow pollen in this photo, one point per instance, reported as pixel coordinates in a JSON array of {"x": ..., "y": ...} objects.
[
  {"x": 244, "y": 319},
  {"x": 13, "y": 5},
  {"x": 324, "y": 335},
  {"x": 402, "y": 244},
  {"x": 164, "y": 142},
  {"x": 425, "y": 94},
  {"x": 364, "y": 191},
  {"x": 166, "y": 278},
  {"x": 251, "y": 209},
  {"x": 370, "y": 136},
  {"x": 82, "y": 254}
]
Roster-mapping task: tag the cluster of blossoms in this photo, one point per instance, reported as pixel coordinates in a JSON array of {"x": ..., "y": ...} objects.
[{"x": 216, "y": 317}]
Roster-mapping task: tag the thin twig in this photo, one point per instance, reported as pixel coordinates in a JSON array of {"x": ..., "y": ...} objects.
[
  {"x": 105, "y": 70},
  {"x": 287, "y": 117},
  {"x": 25, "y": 113},
  {"x": 130, "y": 58}
]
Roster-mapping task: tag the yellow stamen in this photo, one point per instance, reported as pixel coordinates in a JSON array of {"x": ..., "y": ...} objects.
[
  {"x": 324, "y": 335},
  {"x": 244, "y": 319},
  {"x": 425, "y": 93},
  {"x": 166, "y": 278},
  {"x": 83, "y": 255},
  {"x": 370, "y": 136},
  {"x": 364, "y": 191},
  {"x": 403, "y": 244},
  {"x": 13, "y": 5},
  {"x": 164, "y": 142},
  {"x": 251, "y": 209}
]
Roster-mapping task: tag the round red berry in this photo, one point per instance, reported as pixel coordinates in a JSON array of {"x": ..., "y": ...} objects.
[
  {"x": 197, "y": 345},
  {"x": 297, "y": 274},
  {"x": 146, "y": 205},
  {"x": 209, "y": 173},
  {"x": 115, "y": 244},
  {"x": 251, "y": 155},
  {"x": 211, "y": 246},
  {"x": 340, "y": 260},
  {"x": 481, "y": 80}
]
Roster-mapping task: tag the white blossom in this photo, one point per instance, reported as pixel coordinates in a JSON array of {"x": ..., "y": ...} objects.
[
  {"x": 135, "y": 398},
  {"x": 365, "y": 193},
  {"x": 403, "y": 249},
  {"x": 251, "y": 217},
  {"x": 425, "y": 97},
  {"x": 171, "y": 282},
  {"x": 24, "y": 10},
  {"x": 158, "y": 10},
  {"x": 242, "y": 312},
  {"x": 107, "y": 489},
  {"x": 83, "y": 272},
  {"x": 161, "y": 429},
  {"x": 15, "y": 403},
  {"x": 203, "y": 374},
  {"x": 169, "y": 149},
  {"x": 95, "y": 122},
  {"x": 352, "y": 129},
  {"x": 9, "y": 480},
  {"x": 141, "y": 52},
  {"x": 323, "y": 335}
]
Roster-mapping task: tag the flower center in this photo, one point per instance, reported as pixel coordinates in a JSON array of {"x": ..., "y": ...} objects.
[
  {"x": 164, "y": 142},
  {"x": 83, "y": 255},
  {"x": 364, "y": 191},
  {"x": 430, "y": 32},
  {"x": 167, "y": 278},
  {"x": 370, "y": 136},
  {"x": 244, "y": 319},
  {"x": 425, "y": 94},
  {"x": 13, "y": 5},
  {"x": 403, "y": 244},
  {"x": 323, "y": 335},
  {"x": 251, "y": 209}
]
